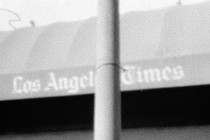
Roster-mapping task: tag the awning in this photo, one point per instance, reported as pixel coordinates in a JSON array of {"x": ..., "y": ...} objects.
[{"x": 161, "y": 48}]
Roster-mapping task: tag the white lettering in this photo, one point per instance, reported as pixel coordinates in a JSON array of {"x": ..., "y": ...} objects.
[
  {"x": 36, "y": 86},
  {"x": 152, "y": 75},
  {"x": 63, "y": 83},
  {"x": 139, "y": 75},
  {"x": 22, "y": 86},
  {"x": 166, "y": 73},
  {"x": 52, "y": 84},
  {"x": 73, "y": 85},
  {"x": 128, "y": 77},
  {"x": 16, "y": 85},
  {"x": 178, "y": 73},
  {"x": 132, "y": 76},
  {"x": 84, "y": 81}
]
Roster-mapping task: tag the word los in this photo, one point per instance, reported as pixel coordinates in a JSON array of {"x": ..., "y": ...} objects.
[{"x": 21, "y": 85}]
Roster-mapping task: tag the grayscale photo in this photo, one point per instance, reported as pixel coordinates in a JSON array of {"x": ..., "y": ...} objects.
[{"x": 104, "y": 69}]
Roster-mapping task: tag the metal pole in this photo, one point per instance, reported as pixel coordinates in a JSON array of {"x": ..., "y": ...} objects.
[{"x": 107, "y": 114}]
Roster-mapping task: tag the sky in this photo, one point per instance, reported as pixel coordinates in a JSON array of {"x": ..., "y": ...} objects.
[{"x": 44, "y": 12}]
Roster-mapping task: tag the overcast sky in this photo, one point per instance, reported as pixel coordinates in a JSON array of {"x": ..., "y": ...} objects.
[{"x": 49, "y": 11}]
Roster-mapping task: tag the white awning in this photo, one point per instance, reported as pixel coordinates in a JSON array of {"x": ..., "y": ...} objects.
[{"x": 161, "y": 48}]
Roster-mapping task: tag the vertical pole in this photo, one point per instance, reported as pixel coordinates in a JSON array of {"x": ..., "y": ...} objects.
[{"x": 107, "y": 114}]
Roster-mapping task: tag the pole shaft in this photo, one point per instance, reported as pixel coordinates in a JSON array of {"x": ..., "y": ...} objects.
[{"x": 107, "y": 114}]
